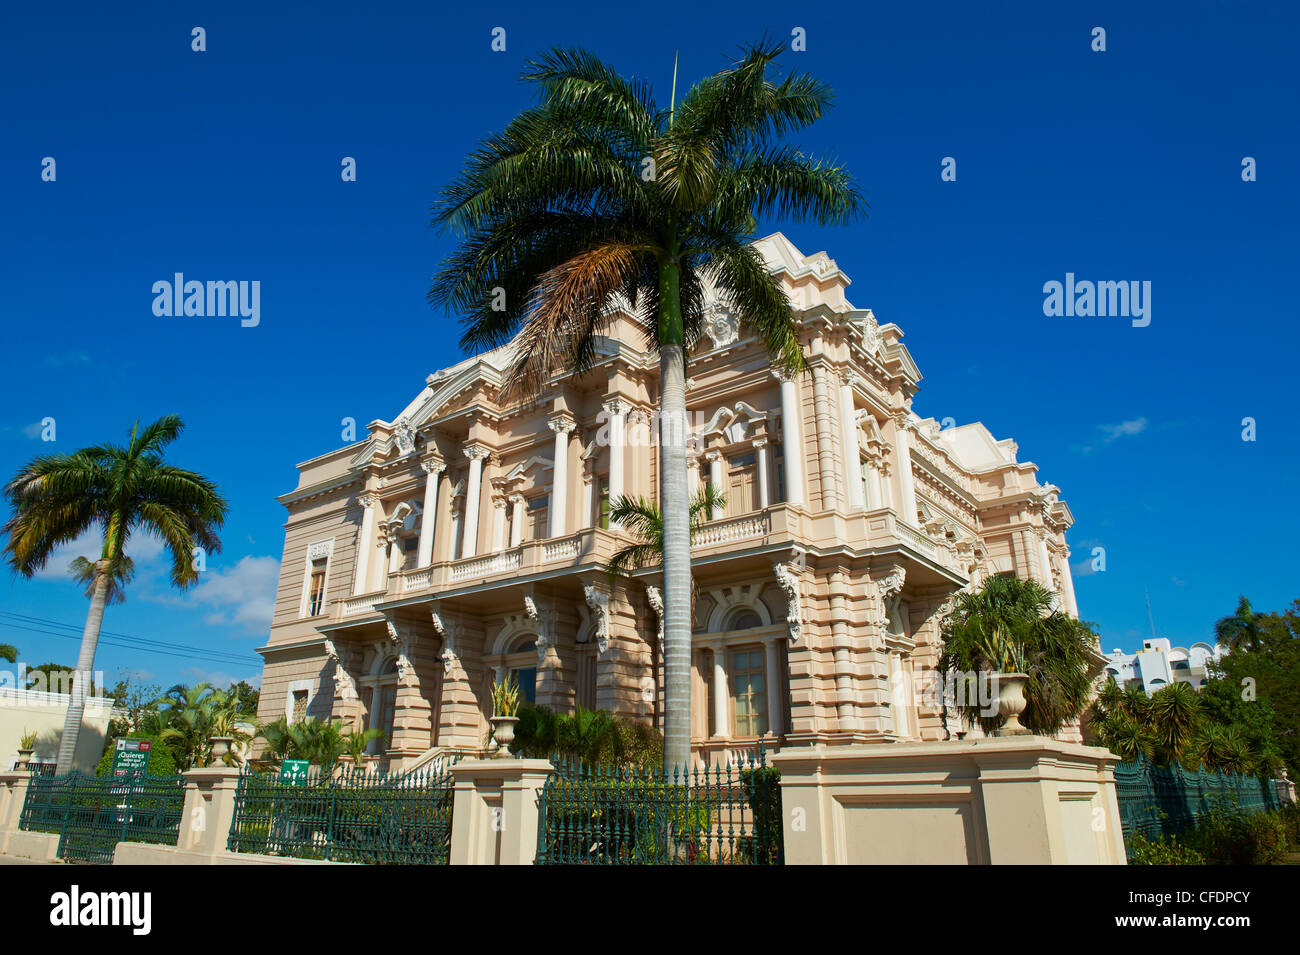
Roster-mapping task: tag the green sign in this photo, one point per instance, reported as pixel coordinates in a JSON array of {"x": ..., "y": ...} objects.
[
  {"x": 131, "y": 757},
  {"x": 294, "y": 772}
]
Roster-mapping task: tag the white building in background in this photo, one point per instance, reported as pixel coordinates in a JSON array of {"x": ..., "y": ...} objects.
[{"x": 1159, "y": 664}]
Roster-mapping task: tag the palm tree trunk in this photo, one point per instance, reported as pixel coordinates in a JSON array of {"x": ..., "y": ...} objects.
[
  {"x": 677, "y": 558},
  {"x": 85, "y": 663}
]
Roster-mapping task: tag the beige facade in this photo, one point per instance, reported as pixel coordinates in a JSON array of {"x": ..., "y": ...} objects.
[
  {"x": 467, "y": 538},
  {"x": 43, "y": 713}
]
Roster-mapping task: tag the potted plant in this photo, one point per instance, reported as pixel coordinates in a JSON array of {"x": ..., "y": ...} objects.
[
  {"x": 26, "y": 746},
  {"x": 1006, "y": 652},
  {"x": 505, "y": 713}
]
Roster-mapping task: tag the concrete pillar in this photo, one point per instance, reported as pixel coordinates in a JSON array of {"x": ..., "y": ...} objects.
[
  {"x": 721, "y": 694},
  {"x": 1067, "y": 580},
  {"x": 473, "y": 494},
  {"x": 209, "y": 810},
  {"x": 562, "y": 425},
  {"x": 516, "y": 519},
  {"x": 830, "y": 499},
  {"x": 906, "y": 487},
  {"x": 852, "y": 453},
  {"x": 791, "y": 441},
  {"x": 495, "y": 814},
  {"x": 616, "y": 410},
  {"x": 365, "y": 543},
  {"x": 760, "y": 464},
  {"x": 433, "y": 468},
  {"x": 775, "y": 708},
  {"x": 715, "y": 474}
]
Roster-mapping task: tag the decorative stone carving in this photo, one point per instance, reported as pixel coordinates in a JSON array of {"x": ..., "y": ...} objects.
[
  {"x": 543, "y": 619},
  {"x": 656, "y": 598},
  {"x": 402, "y": 643},
  {"x": 404, "y": 436},
  {"x": 871, "y": 338},
  {"x": 598, "y": 601},
  {"x": 890, "y": 590},
  {"x": 721, "y": 325},
  {"x": 446, "y": 630},
  {"x": 788, "y": 580},
  {"x": 320, "y": 549},
  {"x": 345, "y": 688}
]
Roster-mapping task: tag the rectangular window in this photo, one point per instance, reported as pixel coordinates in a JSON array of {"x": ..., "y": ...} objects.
[
  {"x": 299, "y": 706},
  {"x": 778, "y": 472},
  {"x": 538, "y": 528},
  {"x": 316, "y": 587},
  {"x": 749, "y": 691}
]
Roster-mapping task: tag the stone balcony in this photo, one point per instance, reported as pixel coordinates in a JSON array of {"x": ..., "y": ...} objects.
[{"x": 758, "y": 536}]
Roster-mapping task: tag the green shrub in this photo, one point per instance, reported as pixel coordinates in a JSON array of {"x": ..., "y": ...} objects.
[
  {"x": 1225, "y": 835},
  {"x": 1162, "y": 852},
  {"x": 161, "y": 761}
]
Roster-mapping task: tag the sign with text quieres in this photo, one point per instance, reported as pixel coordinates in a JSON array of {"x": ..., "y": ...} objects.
[{"x": 131, "y": 757}]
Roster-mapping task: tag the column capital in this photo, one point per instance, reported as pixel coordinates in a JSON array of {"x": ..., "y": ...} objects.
[
  {"x": 562, "y": 423},
  {"x": 368, "y": 499},
  {"x": 433, "y": 465},
  {"x": 712, "y": 455},
  {"x": 849, "y": 377},
  {"x": 515, "y": 498},
  {"x": 476, "y": 452},
  {"x": 759, "y": 443},
  {"x": 615, "y": 406},
  {"x": 783, "y": 376}
]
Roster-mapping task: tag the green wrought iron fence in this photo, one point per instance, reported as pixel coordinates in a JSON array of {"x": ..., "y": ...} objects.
[
  {"x": 347, "y": 816},
  {"x": 723, "y": 815},
  {"x": 1156, "y": 801},
  {"x": 92, "y": 814}
]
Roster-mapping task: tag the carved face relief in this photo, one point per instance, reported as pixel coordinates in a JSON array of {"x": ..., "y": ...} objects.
[{"x": 721, "y": 325}]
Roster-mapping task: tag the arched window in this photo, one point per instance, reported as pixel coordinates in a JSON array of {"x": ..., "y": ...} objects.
[
  {"x": 383, "y": 704},
  {"x": 744, "y": 619},
  {"x": 521, "y": 664}
]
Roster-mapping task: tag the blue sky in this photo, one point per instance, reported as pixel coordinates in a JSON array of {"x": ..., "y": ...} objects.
[{"x": 1122, "y": 165}]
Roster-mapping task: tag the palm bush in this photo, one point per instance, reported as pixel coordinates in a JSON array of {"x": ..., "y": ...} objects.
[{"x": 1009, "y": 625}]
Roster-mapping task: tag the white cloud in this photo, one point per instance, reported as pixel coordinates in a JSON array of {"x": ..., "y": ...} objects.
[
  {"x": 32, "y": 430},
  {"x": 242, "y": 595},
  {"x": 1124, "y": 429}
]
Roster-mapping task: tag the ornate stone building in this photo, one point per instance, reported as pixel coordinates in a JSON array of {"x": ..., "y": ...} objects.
[{"x": 467, "y": 538}]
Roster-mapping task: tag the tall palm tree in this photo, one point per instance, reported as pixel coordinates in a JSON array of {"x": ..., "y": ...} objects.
[
  {"x": 1241, "y": 631},
  {"x": 597, "y": 196},
  {"x": 117, "y": 490},
  {"x": 1009, "y": 625}
]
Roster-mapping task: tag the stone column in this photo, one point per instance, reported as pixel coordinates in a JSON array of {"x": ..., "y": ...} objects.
[
  {"x": 715, "y": 470},
  {"x": 1067, "y": 582},
  {"x": 365, "y": 543},
  {"x": 563, "y": 425},
  {"x": 830, "y": 498},
  {"x": 906, "y": 488},
  {"x": 852, "y": 452},
  {"x": 693, "y": 474},
  {"x": 615, "y": 409},
  {"x": 1044, "y": 561},
  {"x": 760, "y": 464},
  {"x": 721, "y": 693},
  {"x": 473, "y": 493},
  {"x": 433, "y": 468},
  {"x": 516, "y": 519},
  {"x": 775, "y": 709},
  {"x": 394, "y": 548},
  {"x": 498, "y": 523},
  {"x": 874, "y": 490},
  {"x": 790, "y": 438}
]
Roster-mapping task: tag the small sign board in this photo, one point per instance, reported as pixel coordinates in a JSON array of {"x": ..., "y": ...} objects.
[
  {"x": 131, "y": 757},
  {"x": 294, "y": 772}
]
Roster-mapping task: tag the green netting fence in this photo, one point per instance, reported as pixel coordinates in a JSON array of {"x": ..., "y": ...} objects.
[{"x": 1158, "y": 801}]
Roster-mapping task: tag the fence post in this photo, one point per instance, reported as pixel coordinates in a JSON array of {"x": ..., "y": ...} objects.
[
  {"x": 494, "y": 817},
  {"x": 13, "y": 794},
  {"x": 209, "y": 810}
]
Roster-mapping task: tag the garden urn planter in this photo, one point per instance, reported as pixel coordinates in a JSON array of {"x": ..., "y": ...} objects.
[
  {"x": 1011, "y": 703},
  {"x": 503, "y": 731},
  {"x": 220, "y": 749},
  {"x": 24, "y": 759}
]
